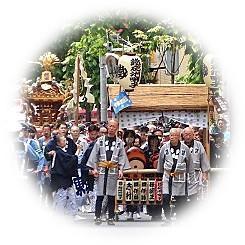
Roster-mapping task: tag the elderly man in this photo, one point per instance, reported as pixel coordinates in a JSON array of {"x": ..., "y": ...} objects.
[
  {"x": 200, "y": 160},
  {"x": 175, "y": 162},
  {"x": 77, "y": 139},
  {"x": 75, "y": 133},
  {"x": 108, "y": 159}
]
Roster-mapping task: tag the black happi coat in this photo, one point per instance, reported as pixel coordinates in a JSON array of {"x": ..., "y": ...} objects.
[
  {"x": 65, "y": 167},
  {"x": 71, "y": 147}
]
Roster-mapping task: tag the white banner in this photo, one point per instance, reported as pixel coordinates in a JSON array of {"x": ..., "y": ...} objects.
[{"x": 197, "y": 118}]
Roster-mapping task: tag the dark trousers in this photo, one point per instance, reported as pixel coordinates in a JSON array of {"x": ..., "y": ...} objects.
[
  {"x": 132, "y": 209},
  {"x": 111, "y": 206},
  {"x": 154, "y": 210},
  {"x": 47, "y": 190},
  {"x": 180, "y": 203},
  {"x": 193, "y": 198}
]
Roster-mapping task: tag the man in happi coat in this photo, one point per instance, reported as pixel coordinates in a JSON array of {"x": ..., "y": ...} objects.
[
  {"x": 70, "y": 147},
  {"x": 86, "y": 173},
  {"x": 64, "y": 168},
  {"x": 108, "y": 159},
  {"x": 176, "y": 164},
  {"x": 200, "y": 160}
]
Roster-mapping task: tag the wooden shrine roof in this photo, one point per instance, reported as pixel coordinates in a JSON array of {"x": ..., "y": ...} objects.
[
  {"x": 40, "y": 95},
  {"x": 158, "y": 97}
]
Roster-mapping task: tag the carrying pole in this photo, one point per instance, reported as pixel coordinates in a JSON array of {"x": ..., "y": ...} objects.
[{"x": 103, "y": 89}]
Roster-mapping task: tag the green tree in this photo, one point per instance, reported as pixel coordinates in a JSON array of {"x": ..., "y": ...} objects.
[
  {"x": 147, "y": 36},
  {"x": 196, "y": 54}
]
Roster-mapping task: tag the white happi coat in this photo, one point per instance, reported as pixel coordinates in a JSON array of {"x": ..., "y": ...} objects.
[
  {"x": 201, "y": 165},
  {"x": 184, "y": 166},
  {"x": 119, "y": 156}
]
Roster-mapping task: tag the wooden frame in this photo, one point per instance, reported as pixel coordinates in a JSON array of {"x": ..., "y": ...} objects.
[{"x": 167, "y": 97}]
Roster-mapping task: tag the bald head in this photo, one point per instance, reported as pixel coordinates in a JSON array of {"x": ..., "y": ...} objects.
[
  {"x": 188, "y": 130},
  {"x": 113, "y": 121},
  {"x": 112, "y": 127},
  {"x": 188, "y": 134}
]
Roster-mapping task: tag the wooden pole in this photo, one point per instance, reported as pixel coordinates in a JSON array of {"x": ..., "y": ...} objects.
[
  {"x": 77, "y": 81},
  {"x": 207, "y": 130},
  {"x": 103, "y": 90}
]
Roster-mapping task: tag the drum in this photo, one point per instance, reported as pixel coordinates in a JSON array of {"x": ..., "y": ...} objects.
[{"x": 136, "y": 158}]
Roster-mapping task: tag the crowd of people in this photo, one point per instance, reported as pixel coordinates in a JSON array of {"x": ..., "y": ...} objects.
[{"x": 76, "y": 167}]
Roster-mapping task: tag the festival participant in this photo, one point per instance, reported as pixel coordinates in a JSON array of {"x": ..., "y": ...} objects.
[
  {"x": 64, "y": 167},
  {"x": 61, "y": 129},
  {"x": 137, "y": 141},
  {"x": 82, "y": 129},
  {"x": 129, "y": 138},
  {"x": 159, "y": 133},
  {"x": 39, "y": 133},
  {"x": 103, "y": 131},
  {"x": 33, "y": 142},
  {"x": 152, "y": 155},
  {"x": 166, "y": 134},
  {"x": 62, "y": 116},
  {"x": 43, "y": 141},
  {"x": 222, "y": 126},
  {"x": 200, "y": 160},
  {"x": 197, "y": 135},
  {"x": 219, "y": 152},
  {"x": 108, "y": 159},
  {"x": 78, "y": 139},
  {"x": 86, "y": 172},
  {"x": 175, "y": 162},
  {"x": 75, "y": 133},
  {"x": 46, "y": 129},
  {"x": 120, "y": 134},
  {"x": 27, "y": 151},
  {"x": 144, "y": 134}
]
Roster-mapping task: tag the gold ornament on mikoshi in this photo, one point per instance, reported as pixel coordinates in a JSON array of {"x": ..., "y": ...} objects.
[{"x": 48, "y": 60}]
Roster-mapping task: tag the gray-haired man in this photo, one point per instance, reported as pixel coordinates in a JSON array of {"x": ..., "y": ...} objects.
[
  {"x": 200, "y": 160},
  {"x": 175, "y": 162}
]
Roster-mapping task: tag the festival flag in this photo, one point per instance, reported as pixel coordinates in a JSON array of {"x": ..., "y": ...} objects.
[{"x": 120, "y": 102}]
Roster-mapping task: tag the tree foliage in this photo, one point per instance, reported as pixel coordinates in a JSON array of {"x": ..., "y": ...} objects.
[
  {"x": 196, "y": 54},
  {"x": 89, "y": 38}
]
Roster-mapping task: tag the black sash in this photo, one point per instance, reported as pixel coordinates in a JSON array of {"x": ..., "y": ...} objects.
[
  {"x": 170, "y": 182},
  {"x": 105, "y": 180}
]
